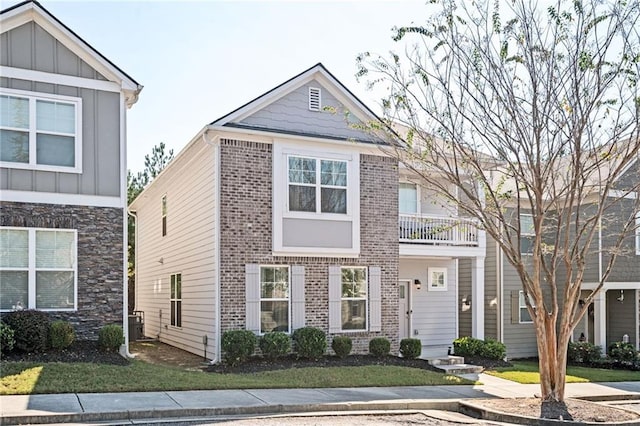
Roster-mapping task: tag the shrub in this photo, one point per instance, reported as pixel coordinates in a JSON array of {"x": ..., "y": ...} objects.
[
  {"x": 311, "y": 342},
  {"x": 493, "y": 349},
  {"x": 342, "y": 345},
  {"x": 30, "y": 329},
  {"x": 7, "y": 341},
  {"x": 584, "y": 352},
  {"x": 379, "y": 346},
  {"x": 275, "y": 344},
  {"x": 622, "y": 352},
  {"x": 110, "y": 337},
  {"x": 238, "y": 346},
  {"x": 61, "y": 334},
  {"x": 410, "y": 348},
  {"x": 467, "y": 346}
]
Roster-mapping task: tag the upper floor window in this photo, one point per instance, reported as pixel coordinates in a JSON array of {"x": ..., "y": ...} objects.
[
  {"x": 408, "y": 198},
  {"x": 40, "y": 131},
  {"x": 274, "y": 298},
  {"x": 527, "y": 234},
  {"x": 316, "y": 185},
  {"x": 38, "y": 269},
  {"x": 164, "y": 215}
]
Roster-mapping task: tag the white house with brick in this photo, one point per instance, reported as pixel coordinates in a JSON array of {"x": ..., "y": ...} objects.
[{"x": 284, "y": 214}]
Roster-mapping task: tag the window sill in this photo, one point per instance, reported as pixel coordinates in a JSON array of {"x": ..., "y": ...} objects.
[{"x": 40, "y": 168}]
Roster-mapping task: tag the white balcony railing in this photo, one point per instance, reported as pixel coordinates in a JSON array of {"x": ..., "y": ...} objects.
[{"x": 438, "y": 230}]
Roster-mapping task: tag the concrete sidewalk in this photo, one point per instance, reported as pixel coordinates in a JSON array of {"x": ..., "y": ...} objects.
[{"x": 64, "y": 408}]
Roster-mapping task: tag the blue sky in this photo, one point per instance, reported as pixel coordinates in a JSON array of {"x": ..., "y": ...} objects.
[{"x": 198, "y": 60}]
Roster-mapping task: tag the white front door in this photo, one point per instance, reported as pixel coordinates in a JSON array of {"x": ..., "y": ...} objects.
[{"x": 404, "y": 309}]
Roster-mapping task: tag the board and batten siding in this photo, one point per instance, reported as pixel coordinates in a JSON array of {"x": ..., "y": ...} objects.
[
  {"x": 621, "y": 316},
  {"x": 464, "y": 293},
  {"x": 491, "y": 291},
  {"x": 32, "y": 48},
  {"x": 519, "y": 338},
  {"x": 434, "y": 312},
  {"x": 187, "y": 249},
  {"x": 291, "y": 114}
]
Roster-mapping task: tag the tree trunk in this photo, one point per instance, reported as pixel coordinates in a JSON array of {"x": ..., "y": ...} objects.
[{"x": 550, "y": 355}]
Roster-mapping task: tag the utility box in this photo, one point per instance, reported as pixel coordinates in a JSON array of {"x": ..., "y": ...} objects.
[{"x": 136, "y": 326}]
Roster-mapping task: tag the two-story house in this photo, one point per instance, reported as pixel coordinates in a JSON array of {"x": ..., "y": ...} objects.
[
  {"x": 62, "y": 172},
  {"x": 286, "y": 213}
]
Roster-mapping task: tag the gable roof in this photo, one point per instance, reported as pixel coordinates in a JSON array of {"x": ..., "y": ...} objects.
[
  {"x": 317, "y": 72},
  {"x": 32, "y": 11}
]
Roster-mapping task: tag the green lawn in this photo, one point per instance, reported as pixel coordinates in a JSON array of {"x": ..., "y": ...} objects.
[
  {"x": 34, "y": 378},
  {"x": 526, "y": 372}
]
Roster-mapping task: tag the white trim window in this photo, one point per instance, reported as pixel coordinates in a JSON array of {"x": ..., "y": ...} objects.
[
  {"x": 274, "y": 299},
  {"x": 408, "y": 198},
  {"x": 317, "y": 185},
  {"x": 40, "y": 131},
  {"x": 38, "y": 269},
  {"x": 164, "y": 214},
  {"x": 176, "y": 300},
  {"x": 437, "y": 279},
  {"x": 524, "y": 316},
  {"x": 527, "y": 234},
  {"x": 354, "y": 301}
]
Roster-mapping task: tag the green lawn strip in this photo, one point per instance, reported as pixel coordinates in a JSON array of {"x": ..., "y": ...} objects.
[
  {"x": 526, "y": 372},
  {"x": 19, "y": 378}
]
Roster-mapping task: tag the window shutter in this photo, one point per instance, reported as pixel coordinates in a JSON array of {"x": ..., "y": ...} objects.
[
  {"x": 375, "y": 298},
  {"x": 252, "y": 283},
  {"x": 515, "y": 307},
  {"x": 335, "y": 303},
  {"x": 297, "y": 297}
]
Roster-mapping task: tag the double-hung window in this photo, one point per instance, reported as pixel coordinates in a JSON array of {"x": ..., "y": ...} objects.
[
  {"x": 354, "y": 298},
  {"x": 527, "y": 234},
  {"x": 38, "y": 269},
  {"x": 164, "y": 215},
  {"x": 176, "y": 300},
  {"x": 274, "y": 299},
  {"x": 408, "y": 198},
  {"x": 525, "y": 317},
  {"x": 317, "y": 185},
  {"x": 40, "y": 131}
]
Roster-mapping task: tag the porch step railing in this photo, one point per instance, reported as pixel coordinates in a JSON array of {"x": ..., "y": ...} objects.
[{"x": 438, "y": 230}]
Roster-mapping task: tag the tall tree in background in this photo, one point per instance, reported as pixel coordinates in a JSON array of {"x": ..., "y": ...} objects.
[
  {"x": 517, "y": 109},
  {"x": 154, "y": 163}
]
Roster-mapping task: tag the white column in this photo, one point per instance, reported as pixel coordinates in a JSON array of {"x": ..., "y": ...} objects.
[
  {"x": 600, "y": 319},
  {"x": 477, "y": 297}
]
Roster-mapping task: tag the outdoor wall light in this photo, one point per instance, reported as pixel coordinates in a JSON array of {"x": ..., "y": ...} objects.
[
  {"x": 417, "y": 283},
  {"x": 621, "y": 298}
]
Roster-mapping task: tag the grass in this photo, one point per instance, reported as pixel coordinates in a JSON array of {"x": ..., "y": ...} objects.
[
  {"x": 20, "y": 378},
  {"x": 526, "y": 372}
]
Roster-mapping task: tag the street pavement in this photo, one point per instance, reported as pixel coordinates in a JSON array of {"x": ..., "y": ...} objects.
[{"x": 85, "y": 407}]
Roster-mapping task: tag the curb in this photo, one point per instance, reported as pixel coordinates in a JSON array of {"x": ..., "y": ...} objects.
[{"x": 410, "y": 405}]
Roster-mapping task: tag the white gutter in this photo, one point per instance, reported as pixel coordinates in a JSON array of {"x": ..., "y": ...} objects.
[{"x": 124, "y": 349}]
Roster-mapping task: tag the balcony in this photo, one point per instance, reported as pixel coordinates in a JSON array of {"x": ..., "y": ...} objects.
[{"x": 438, "y": 230}]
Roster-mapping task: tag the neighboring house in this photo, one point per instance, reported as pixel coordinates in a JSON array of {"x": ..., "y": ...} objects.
[
  {"x": 62, "y": 173},
  {"x": 284, "y": 213}
]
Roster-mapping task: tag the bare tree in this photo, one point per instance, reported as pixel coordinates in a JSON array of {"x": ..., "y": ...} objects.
[{"x": 516, "y": 109}]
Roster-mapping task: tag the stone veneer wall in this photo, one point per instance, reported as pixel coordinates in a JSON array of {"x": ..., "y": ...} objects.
[
  {"x": 246, "y": 237},
  {"x": 100, "y": 261}
]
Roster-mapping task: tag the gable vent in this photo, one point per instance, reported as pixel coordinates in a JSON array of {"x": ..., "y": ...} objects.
[{"x": 314, "y": 99}]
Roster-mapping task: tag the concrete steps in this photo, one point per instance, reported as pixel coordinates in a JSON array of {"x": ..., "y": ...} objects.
[{"x": 454, "y": 365}]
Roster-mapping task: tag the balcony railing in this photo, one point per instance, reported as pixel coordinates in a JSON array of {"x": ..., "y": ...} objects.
[{"x": 438, "y": 230}]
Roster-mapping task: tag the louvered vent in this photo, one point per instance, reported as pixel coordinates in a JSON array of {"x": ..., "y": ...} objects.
[{"x": 314, "y": 99}]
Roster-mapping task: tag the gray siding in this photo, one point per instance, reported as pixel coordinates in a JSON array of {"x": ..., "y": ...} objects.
[
  {"x": 29, "y": 46},
  {"x": 627, "y": 265},
  {"x": 316, "y": 233},
  {"x": 519, "y": 338},
  {"x": 464, "y": 293},
  {"x": 291, "y": 114},
  {"x": 492, "y": 302},
  {"x": 621, "y": 317}
]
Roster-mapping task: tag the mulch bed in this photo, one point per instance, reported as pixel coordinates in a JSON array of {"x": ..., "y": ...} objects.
[{"x": 79, "y": 351}]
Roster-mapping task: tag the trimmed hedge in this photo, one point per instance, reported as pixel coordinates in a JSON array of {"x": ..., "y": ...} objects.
[
  {"x": 310, "y": 342},
  {"x": 410, "y": 348},
  {"x": 623, "y": 352},
  {"x": 61, "y": 334},
  {"x": 238, "y": 346},
  {"x": 275, "y": 344},
  {"x": 342, "y": 345},
  {"x": 583, "y": 352},
  {"x": 110, "y": 338},
  {"x": 30, "y": 329},
  {"x": 379, "y": 346},
  {"x": 489, "y": 348},
  {"x": 7, "y": 340}
]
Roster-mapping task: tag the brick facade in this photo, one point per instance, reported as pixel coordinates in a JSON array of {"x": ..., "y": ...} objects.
[
  {"x": 100, "y": 258},
  {"x": 246, "y": 196}
]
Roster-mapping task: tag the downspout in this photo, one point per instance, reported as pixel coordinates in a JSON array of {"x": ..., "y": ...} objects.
[
  {"x": 124, "y": 349},
  {"x": 216, "y": 197}
]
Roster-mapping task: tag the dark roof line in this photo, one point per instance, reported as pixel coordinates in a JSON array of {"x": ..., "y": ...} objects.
[{"x": 71, "y": 31}]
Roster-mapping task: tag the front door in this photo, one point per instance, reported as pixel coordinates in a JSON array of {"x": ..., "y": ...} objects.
[{"x": 404, "y": 309}]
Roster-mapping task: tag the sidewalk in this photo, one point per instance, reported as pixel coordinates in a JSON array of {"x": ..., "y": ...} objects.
[{"x": 63, "y": 408}]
